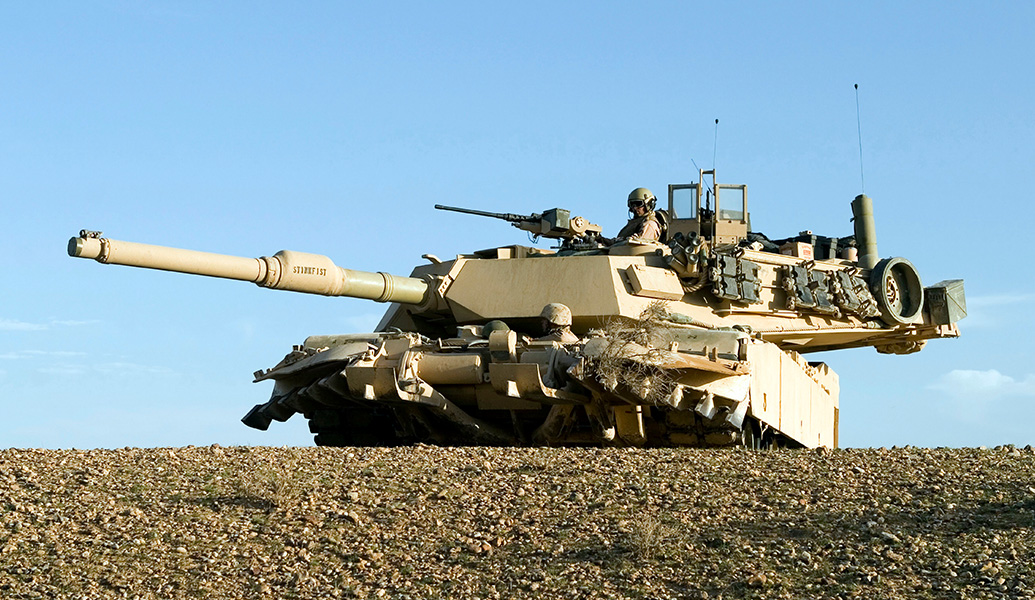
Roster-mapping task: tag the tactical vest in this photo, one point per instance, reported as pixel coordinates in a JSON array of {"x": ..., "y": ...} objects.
[{"x": 635, "y": 225}]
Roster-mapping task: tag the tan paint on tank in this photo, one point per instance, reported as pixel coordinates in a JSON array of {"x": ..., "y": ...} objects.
[{"x": 594, "y": 287}]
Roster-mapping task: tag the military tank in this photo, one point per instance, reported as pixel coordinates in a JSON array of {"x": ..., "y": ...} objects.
[{"x": 697, "y": 340}]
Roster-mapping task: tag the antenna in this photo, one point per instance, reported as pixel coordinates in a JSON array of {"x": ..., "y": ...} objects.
[
  {"x": 858, "y": 120},
  {"x": 715, "y": 143}
]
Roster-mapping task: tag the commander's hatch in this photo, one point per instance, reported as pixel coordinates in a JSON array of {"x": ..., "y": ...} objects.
[{"x": 717, "y": 213}]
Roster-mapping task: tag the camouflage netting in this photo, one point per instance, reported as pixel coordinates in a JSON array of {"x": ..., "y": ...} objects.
[{"x": 629, "y": 363}]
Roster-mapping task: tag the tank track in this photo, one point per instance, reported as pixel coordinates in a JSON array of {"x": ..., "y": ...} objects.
[{"x": 338, "y": 419}]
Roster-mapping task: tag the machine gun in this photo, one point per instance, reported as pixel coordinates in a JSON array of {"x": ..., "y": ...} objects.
[{"x": 556, "y": 223}]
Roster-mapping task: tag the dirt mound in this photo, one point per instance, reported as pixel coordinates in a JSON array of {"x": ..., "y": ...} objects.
[{"x": 427, "y": 522}]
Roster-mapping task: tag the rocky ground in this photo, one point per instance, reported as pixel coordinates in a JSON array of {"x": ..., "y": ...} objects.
[{"x": 427, "y": 522}]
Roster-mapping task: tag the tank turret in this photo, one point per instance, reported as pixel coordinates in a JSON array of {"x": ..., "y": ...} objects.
[{"x": 695, "y": 340}]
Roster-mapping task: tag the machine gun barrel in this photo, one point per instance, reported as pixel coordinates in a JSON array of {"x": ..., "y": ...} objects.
[
  {"x": 285, "y": 270},
  {"x": 510, "y": 217},
  {"x": 555, "y": 223}
]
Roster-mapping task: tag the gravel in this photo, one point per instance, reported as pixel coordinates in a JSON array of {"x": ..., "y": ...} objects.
[{"x": 429, "y": 522}]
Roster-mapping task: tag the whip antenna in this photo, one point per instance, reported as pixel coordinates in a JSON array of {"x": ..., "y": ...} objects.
[
  {"x": 715, "y": 142},
  {"x": 858, "y": 121}
]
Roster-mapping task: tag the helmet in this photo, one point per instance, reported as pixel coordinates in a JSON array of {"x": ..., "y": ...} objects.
[
  {"x": 493, "y": 325},
  {"x": 555, "y": 314},
  {"x": 642, "y": 196}
]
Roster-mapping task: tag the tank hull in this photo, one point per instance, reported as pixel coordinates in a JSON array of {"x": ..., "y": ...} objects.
[{"x": 393, "y": 388}]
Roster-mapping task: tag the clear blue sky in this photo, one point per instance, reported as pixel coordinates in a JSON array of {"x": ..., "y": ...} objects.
[{"x": 246, "y": 128}]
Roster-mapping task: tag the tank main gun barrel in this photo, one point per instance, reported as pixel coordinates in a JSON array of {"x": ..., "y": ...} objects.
[{"x": 285, "y": 270}]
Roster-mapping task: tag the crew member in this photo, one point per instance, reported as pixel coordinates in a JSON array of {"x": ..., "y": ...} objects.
[
  {"x": 557, "y": 324},
  {"x": 644, "y": 223}
]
